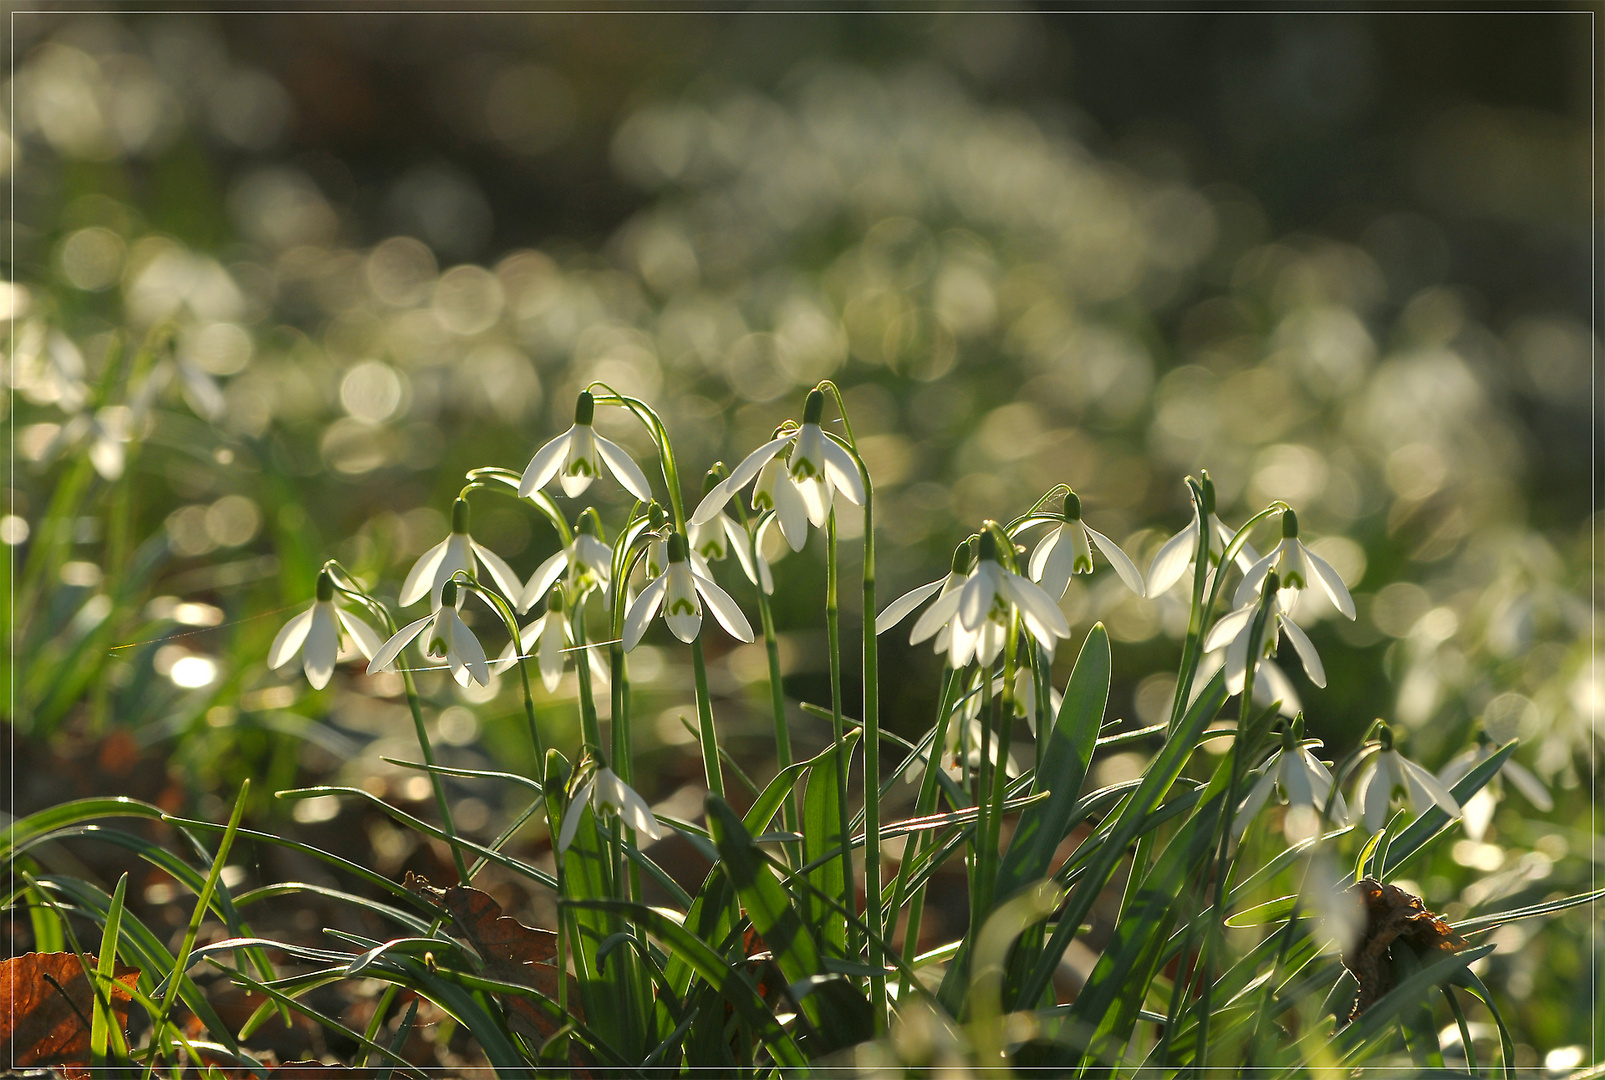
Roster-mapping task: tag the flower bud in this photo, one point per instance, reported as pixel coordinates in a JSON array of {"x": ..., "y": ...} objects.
[
  {"x": 584, "y": 408},
  {"x": 1072, "y": 507},
  {"x": 656, "y": 516},
  {"x": 676, "y": 548},
  {"x": 1289, "y": 525},
  {"x": 325, "y": 586},
  {"x": 448, "y": 593},
  {"x": 554, "y": 599},
  {"x": 814, "y": 407},
  {"x": 459, "y": 516}
]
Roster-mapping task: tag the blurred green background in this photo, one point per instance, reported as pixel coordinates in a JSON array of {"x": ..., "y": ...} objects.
[{"x": 1337, "y": 259}]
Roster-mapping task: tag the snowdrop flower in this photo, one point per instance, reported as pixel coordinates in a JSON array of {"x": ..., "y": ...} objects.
[
  {"x": 1296, "y": 565},
  {"x": 448, "y": 638},
  {"x": 1302, "y": 782},
  {"x": 801, "y": 492},
  {"x": 680, "y": 590},
  {"x": 315, "y": 634},
  {"x": 1479, "y": 809},
  {"x": 982, "y": 608},
  {"x": 576, "y": 457},
  {"x": 1176, "y": 554},
  {"x": 1067, "y": 550},
  {"x": 904, "y": 605},
  {"x": 607, "y": 794},
  {"x": 1390, "y": 773},
  {"x": 1233, "y": 630},
  {"x": 549, "y": 636},
  {"x": 1271, "y": 684},
  {"x": 713, "y": 538},
  {"x": 1025, "y": 698},
  {"x": 587, "y": 560},
  {"x": 48, "y": 369},
  {"x": 458, "y": 551}
]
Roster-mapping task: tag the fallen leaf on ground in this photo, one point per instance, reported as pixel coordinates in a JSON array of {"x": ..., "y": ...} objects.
[{"x": 46, "y": 1002}]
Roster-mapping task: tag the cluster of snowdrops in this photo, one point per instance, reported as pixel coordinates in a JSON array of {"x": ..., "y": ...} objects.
[{"x": 795, "y": 479}]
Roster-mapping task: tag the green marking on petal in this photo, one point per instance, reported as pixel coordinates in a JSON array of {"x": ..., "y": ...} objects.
[{"x": 682, "y": 607}]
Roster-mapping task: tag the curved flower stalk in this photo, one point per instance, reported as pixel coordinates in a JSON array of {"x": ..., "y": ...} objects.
[
  {"x": 608, "y": 794},
  {"x": 1067, "y": 550},
  {"x": 1232, "y": 632},
  {"x": 457, "y": 553},
  {"x": 1295, "y": 565},
  {"x": 448, "y": 638},
  {"x": 587, "y": 561},
  {"x": 576, "y": 457},
  {"x": 1301, "y": 781},
  {"x": 1180, "y": 551},
  {"x": 316, "y": 635},
  {"x": 982, "y": 608},
  {"x": 799, "y": 487},
  {"x": 1478, "y": 811},
  {"x": 904, "y": 605},
  {"x": 681, "y": 590},
  {"x": 1391, "y": 774}
]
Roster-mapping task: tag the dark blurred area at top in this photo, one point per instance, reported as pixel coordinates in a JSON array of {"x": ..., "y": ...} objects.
[{"x": 1316, "y": 114}]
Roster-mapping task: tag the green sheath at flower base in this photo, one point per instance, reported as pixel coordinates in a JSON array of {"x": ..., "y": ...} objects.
[
  {"x": 584, "y": 408},
  {"x": 459, "y": 516},
  {"x": 814, "y": 407},
  {"x": 325, "y": 586},
  {"x": 1289, "y": 525}
]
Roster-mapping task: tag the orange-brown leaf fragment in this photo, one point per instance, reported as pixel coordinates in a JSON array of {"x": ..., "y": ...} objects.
[
  {"x": 1392, "y": 915},
  {"x": 46, "y": 1002}
]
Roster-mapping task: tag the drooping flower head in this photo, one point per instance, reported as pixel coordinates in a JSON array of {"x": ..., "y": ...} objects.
[
  {"x": 458, "y": 552},
  {"x": 680, "y": 591},
  {"x": 1301, "y": 780},
  {"x": 1296, "y": 566},
  {"x": 447, "y": 638},
  {"x": 983, "y": 607},
  {"x": 576, "y": 457},
  {"x": 586, "y": 559},
  {"x": 1177, "y": 553},
  {"x": 800, "y": 488},
  {"x": 316, "y": 634},
  {"x": 1067, "y": 550},
  {"x": 608, "y": 794},
  {"x": 1479, "y": 809},
  {"x": 1390, "y": 774},
  {"x": 1232, "y": 632}
]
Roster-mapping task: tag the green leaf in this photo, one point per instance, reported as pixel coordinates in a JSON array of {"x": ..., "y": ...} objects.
[
  {"x": 822, "y": 833},
  {"x": 1043, "y": 826},
  {"x": 104, "y": 1021},
  {"x": 1549, "y": 907}
]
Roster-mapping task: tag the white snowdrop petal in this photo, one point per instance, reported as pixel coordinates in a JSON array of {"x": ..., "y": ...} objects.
[
  {"x": 1374, "y": 793},
  {"x": 792, "y": 510},
  {"x": 1531, "y": 788},
  {"x": 1170, "y": 562},
  {"x": 322, "y": 646},
  {"x": 367, "y": 638},
  {"x": 724, "y": 607},
  {"x": 571, "y": 816},
  {"x": 1120, "y": 561},
  {"x": 1045, "y": 547},
  {"x": 457, "y": 556},
  {"x": 937, "y": 616},
  {"x": 1248, "y": 588},
  {"x": 289, "y": 639},
  {"x": 1257, "y": 796},
  {"x": 550, "y": 651},
  {"x": 900, "y": 609},
  {"x": 544, "y": 465},
  {"x": 843, "y": 472},
  {"x": 815, "y": 495},
  {"x": 422, "y": 575},
  {"x": 1431, "y": 785},
  {"x": 713, "y": 502},
  {"x": 541, "y": 582},
  {"x": 1331, "y": 582},
  {"x": 1306, "y": 651},
  {"x": 1039, "y": 609},
  {"x": 742, "y": 475},
  {"x": 391, "y": 649},
  {"x": 1227, "y": 627},
  {"x": 465, "y": 646},
  {"x": 624, "y": 469},
  {"x": 641, "y": 610},
  {"x": 506, "y": 580}
]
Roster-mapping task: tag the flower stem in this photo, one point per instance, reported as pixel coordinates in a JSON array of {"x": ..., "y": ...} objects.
[{"x": 838, "y": 733}]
